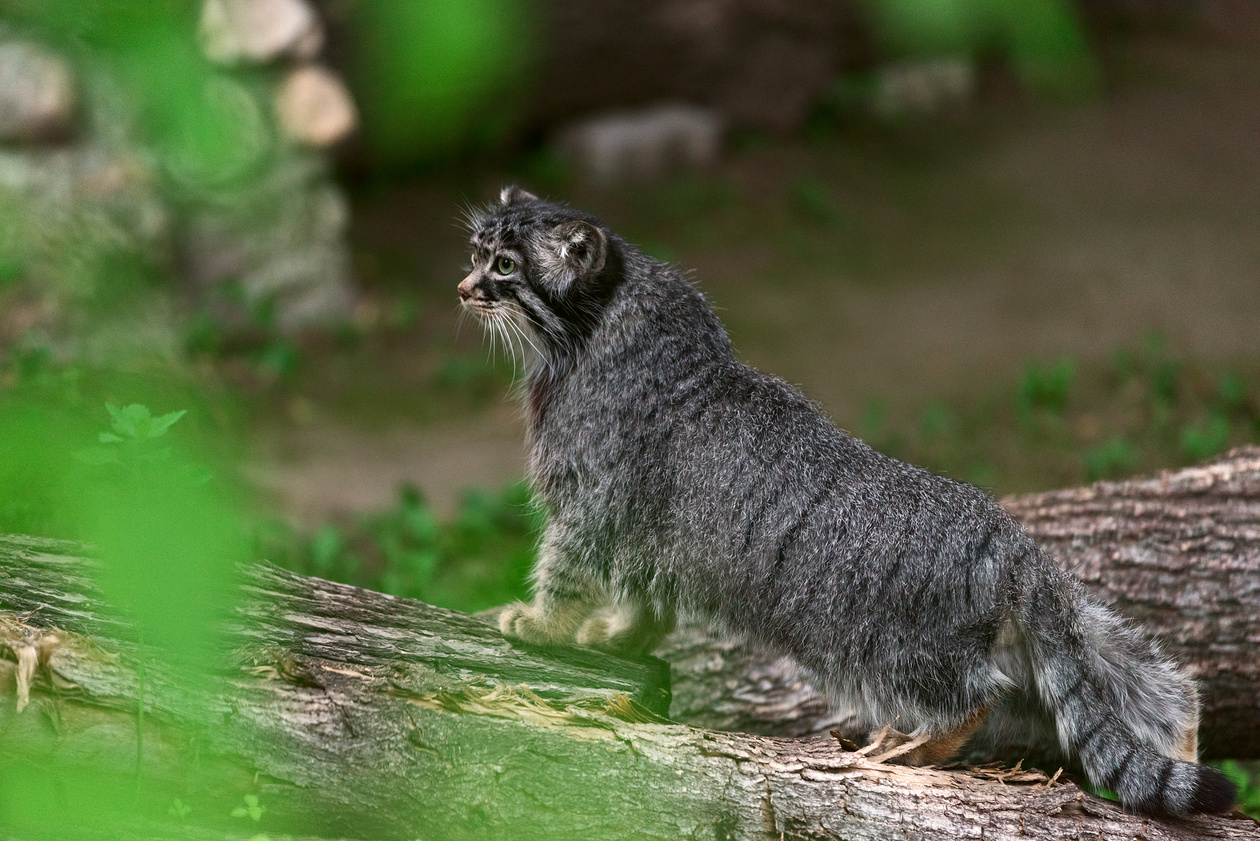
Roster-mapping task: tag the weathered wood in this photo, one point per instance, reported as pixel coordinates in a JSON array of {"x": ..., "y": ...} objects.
[
  {"x": 1178, "y": 553},
  {"x": 349, "y": 713}
]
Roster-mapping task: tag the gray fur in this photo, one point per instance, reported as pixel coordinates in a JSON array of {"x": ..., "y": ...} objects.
[{"x": 677, "y": 479}]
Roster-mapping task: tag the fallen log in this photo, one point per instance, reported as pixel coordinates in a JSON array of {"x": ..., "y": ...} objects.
[{"x": 347, "y": 713}]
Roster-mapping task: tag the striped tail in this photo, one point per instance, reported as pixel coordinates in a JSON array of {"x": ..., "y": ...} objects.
[{"x": 1129, "y": 714}]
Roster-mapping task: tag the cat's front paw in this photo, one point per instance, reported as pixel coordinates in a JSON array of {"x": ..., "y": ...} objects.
[
  {"x": 609, "y": 631},
  {"x": 596, "y": 632},
  {"x": 520, "y": 621}
]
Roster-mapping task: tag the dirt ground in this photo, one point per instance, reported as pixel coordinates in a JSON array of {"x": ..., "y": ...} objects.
[{"x": 943, "y": 261}]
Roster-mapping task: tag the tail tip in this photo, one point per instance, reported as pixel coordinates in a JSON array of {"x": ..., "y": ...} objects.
[{"x": 1215, "y": 793}]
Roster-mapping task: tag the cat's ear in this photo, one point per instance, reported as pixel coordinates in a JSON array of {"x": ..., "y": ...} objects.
[
  {"x": 514, "y": 195},
  {"x": 578, "y": 249}
]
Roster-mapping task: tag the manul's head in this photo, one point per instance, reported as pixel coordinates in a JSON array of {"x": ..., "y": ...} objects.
[{"x": 541, "y": 273}]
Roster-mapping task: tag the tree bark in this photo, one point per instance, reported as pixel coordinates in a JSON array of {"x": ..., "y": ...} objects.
[{"x": 348, "y": 713}]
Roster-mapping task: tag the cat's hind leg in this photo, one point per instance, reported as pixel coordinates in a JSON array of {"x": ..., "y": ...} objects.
[{"x": 923, "y": 748}]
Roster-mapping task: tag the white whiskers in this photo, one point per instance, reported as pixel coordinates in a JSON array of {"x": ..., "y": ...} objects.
[{"x": 510, "y": 327}]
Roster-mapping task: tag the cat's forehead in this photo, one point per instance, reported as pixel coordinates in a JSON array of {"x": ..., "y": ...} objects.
[
  {"x": 499, "y": 226},
  {"x": 517, "y": 224},
  {"x": 486, "y": 236}
]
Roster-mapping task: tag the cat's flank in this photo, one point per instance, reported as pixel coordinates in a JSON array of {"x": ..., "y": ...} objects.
[{"x": 677, "y": 479}]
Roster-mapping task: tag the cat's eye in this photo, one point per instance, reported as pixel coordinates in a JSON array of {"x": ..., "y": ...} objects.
[{"x": 505, "y": 265}]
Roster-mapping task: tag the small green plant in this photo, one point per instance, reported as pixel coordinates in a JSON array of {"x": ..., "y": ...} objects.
[
  {"x": 179, "y": 809},
  {"x": 1231, "y": 392},
  {"x": 238, "y": 326},
  {"x": 1110, "y": 460},
  {"x": 135, "y": 423},
  {"x": 131, "y": 436},
  {"x": 1246, "y": 775},
  {"x": 477, "y": 559},
  {"x": 132, "y": 444},
  {"x": 1204, "y": 440},
  {"x": 250, "y": 808},
  {"x": 1046, "y": 387}
]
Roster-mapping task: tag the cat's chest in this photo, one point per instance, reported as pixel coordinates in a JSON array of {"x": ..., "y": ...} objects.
[{"x": 588, "y": 438}]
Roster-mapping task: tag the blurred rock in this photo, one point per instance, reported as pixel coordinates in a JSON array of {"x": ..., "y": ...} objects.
[
  {"x": 314, "y": 107},
  {"x": 68, "y": 214},
  {"x": 924, "y": 89},
  {"x": 37, "y": 94},
  {"x": 209, "y": 199},
  {"x": 624, "y": 144},
  {"x": 282, "y": 240},
  {"x": 259, "y": 31}
]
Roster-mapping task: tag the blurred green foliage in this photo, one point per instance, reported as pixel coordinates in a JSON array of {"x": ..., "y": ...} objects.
[
  {"x": 146, "y": 48},
  {"x": 1046, "y": 387},
  {"x": 1113, "y": 459},
  {"x": 437, "y": 78},
  {"x": 1064, "y": 423},
  {"x": 1247, "y": 776},
  {"x": 1042, "y": 40},
  {"x": 167, "y": 535},
  {"x": 478, "y": 559}
]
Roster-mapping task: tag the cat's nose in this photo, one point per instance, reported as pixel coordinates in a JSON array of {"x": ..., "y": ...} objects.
[{"x": 466, "y": 288}]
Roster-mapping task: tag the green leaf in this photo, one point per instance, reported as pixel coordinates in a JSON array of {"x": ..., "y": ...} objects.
[
  {"x": 133, "y": 421},
  {"x": 160, "y": 425},
  {"x": 252, "y": 809},
  {"x": 109, "y": 438},
  {"x": 123, "y": 424}
]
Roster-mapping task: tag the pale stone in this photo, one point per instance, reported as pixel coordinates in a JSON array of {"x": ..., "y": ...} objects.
[
  {"x": 259, "y": 31},
  {"x": 924, "y": 88},
  {"x": 282, "y": 238},
  {"x": 37, "y": 93},
  {"x": 78, "y": 205},
  {"x": 622, "y": 144},
  {"x": 314, "y": 107}
]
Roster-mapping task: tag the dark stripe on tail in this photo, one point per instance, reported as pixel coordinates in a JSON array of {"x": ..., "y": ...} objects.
[{"x": 1100, "y": 722}]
